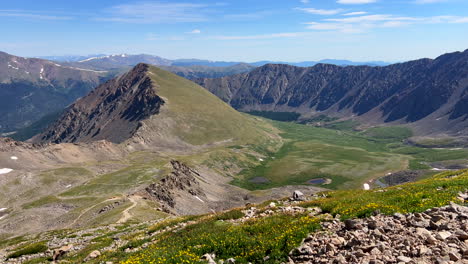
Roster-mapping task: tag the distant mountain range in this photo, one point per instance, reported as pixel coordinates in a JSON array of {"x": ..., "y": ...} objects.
[
  {"x": 110, "y": 61},
  {"x": 33, "y": 88},
  {"x": 430, "y": 94}
]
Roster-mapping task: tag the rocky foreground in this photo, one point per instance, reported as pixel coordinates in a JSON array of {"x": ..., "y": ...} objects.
[{"x": 439, "y": 235}]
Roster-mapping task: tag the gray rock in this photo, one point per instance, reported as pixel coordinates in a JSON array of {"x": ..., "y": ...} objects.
[{"x": 298, "y": 196}]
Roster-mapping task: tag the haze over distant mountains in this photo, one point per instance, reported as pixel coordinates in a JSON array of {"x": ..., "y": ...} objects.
[{"x": 102, "y": 61}]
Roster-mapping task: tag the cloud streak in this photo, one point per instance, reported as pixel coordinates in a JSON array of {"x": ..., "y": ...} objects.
[
  {"x": 156, "y": 12},
  {"x": 320, "y": 11},
  {"x": 31, "y": 15},
  {"x": 360, "y": 24},
  {"x": 264, "y": 36}
]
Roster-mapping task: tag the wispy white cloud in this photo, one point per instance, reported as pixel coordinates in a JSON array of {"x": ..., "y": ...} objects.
[
  {"x": 360, "y": 24},
  {"x": 31, "y": 15},
  {"x": 355, "y": 2},
  {"x": 195, "y": 31},
  {"x": 156, "y": 12},
  {"x": 320, "y": 11},
  {"x": 264, "y": 36},
  {"x": 355, "y": 13},
  {"x": 305, "y": 1}
]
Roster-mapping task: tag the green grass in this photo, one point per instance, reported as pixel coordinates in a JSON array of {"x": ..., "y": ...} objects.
[
  {"x": 278, "y": 116},
  {"x": 249, "y": 242},
  {"x": 230, "y": 215},
  {"x": 347, "y": 158},
  {"x": 419, "y": 196},
  {"x": 29, "y": 249},
  {"x": 392, "y": 134},
  {"x": 199, "y": 117},
  {"x": 342, "y": 125}
]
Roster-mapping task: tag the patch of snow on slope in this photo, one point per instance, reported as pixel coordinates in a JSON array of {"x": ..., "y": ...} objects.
[
  {"x": 14, "y": 158},
  {"x": 90, "y": 59},
  {"x": 13, "y": 67},
  {"x": 198, "y": 198},
  {"x": 3, "y": 209},
  {"x": 5, "y": 170},
  {"x": 41, "y": 72}
]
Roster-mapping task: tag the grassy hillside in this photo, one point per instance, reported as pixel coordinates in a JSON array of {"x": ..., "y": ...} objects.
[
  {"x": 185, "y": 240},
  {"x": 199, "y": 116}
]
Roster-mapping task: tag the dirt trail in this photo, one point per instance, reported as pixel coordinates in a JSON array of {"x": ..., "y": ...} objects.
[
  {"x": 87, "y": 210},
  {"x": 126, "y": 213}
]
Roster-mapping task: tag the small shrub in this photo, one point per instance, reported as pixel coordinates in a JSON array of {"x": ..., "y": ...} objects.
[
  {"x": 230, "y": 215},
  {"x": 29, "y": 250}
]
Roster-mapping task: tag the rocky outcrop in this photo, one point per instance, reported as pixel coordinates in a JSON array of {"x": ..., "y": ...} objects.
[
  {"x": 439, "y": 235},
  {"x": 182, "y": 178},
  {"x": 404, "y": 92},
  {"x": 112, "y": 111}
]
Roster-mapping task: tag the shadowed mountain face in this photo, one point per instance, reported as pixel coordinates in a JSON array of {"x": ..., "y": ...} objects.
[
  {"x": 112, "y": 111},
  {"x": 33, "y": 88},
  {"x": 406, "y": 92}
]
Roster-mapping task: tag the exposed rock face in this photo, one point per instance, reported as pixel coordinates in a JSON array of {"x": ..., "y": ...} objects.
[
  {"x": 182, "y": 178},
  {"x": 439, "y": 235},
  {"x": 407, "y": 92},
  {"x": 111, "y": 112},
  {"x": 33, "y": 88}
]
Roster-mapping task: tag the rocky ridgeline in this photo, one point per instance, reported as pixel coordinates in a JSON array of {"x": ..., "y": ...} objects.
[{"x": 439, "y": 235}]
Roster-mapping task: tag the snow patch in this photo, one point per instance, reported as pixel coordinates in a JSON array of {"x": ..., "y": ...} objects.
[
  {"x": 14, "y": 158},
  {"x": 198, "y": 198},
  {"x": 40, "y": 73},
  {"x": 13, "y": 67},
  {"x": 3, "y": 209},
  {"x": 68, "y": 186},
  {"x": 1, "y": 217},
  {"x": 90, "y": 59},
  {"x": 366, "y": 186},
  {"x": 260, "y": 159},
  {"x": 436, "y": 169},
  {"x": 5, "y": 170}
]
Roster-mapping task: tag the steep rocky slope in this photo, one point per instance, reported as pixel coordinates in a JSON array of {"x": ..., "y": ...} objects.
[
  {"x": 111, "y": 112},
  {"x": 432, "y": 92},
  {"x": 33, "y": 88}
]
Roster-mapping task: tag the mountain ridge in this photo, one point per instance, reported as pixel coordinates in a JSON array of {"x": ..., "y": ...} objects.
[
  {"x": 25, "y": 84},
  {"x": 407, "y": 92}
]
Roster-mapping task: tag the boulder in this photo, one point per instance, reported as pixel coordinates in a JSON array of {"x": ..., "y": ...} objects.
[{"x": 298, "y": 196}]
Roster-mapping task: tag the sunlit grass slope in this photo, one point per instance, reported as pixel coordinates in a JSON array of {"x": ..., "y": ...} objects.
[{"x": 201, "y": 117}]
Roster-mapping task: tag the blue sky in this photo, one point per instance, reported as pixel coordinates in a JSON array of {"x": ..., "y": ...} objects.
[{"x": 241, "y": 30}]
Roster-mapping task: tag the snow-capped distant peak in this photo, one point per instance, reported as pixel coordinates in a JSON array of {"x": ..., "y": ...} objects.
[
  {"x": 89, "y": 59},
  {"x": 105, "y": 57}
]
